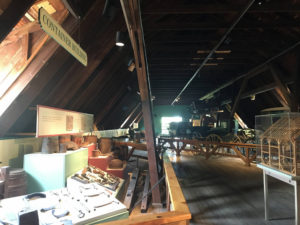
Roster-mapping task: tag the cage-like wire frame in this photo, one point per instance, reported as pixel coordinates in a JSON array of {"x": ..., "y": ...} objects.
[{"x": 280, "y": 142}]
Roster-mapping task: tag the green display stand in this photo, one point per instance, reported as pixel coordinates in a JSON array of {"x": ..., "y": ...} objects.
[{"x": 50, "y": 171}]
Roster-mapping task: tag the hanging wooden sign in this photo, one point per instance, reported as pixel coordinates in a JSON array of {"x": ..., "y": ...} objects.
[{"x": 51, "y": 27}]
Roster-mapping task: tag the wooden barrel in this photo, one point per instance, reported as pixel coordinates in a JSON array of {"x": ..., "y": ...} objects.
[
  {"x": 105, "y": 145},
  {"x": 91, "y": 139}
]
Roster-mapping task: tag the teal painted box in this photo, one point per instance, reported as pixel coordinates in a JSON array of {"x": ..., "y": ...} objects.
[{"x": 50, "y": 171}]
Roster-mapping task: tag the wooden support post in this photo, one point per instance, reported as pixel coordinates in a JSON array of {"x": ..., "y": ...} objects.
[
  {"x": 145, "y": 197},
  {"x": 131, "y": 11},
  {"x": 131, "y": 188}
]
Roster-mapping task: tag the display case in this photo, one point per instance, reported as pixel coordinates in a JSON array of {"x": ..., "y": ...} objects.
[
  {"x": 90, "y": 204},
  {"x": 50, "y": 171},
  {"x": 278, "y": 136}
]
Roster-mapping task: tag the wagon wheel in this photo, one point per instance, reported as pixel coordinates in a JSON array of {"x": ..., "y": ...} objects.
[{"x": 215, "y": 138}]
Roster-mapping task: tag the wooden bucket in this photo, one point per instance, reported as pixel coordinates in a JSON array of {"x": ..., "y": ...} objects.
[
  {"x": 91, "y": 139},
  {"x": 105, "y": 145}
]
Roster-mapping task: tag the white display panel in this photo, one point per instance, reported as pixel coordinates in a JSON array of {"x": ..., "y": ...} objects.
[{"x": 53, "y": 122}]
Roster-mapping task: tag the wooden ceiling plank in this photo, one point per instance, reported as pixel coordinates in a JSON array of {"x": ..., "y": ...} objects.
[
  {"x": 10, "y": 112},
  {"x": 107, "y": 91},
  {"x": 109, "y": 106},
  {"x": 104, "y": 45},
  {"x": 113, "y": 119},
  {"x": 93, "y": 89}
]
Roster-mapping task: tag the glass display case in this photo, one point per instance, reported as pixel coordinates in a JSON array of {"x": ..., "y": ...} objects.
[{"x": 278, "y": 137}]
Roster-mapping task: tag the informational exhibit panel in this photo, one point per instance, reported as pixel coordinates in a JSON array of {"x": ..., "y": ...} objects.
[{"x": 53, "y": 122}]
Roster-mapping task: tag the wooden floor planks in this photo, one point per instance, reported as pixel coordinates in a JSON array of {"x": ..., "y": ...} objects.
[{"x": 223, "y": 191}]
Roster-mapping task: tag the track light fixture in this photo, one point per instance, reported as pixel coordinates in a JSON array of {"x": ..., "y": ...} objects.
[{"x": 120, "y": 38}]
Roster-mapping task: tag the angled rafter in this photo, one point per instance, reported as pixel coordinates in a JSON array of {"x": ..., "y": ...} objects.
[
  {"x": 48, "y": 61},
  {"x": 130, "y": 115},
  {"x": 11, "y": 16},
  {"x": 288, "y": 98},
  {"x": 104, "y": 44},
  {"x": 140, "y": 114}
]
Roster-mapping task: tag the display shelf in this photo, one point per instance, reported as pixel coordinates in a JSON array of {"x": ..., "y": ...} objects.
[{"x": 91, "y": 205}]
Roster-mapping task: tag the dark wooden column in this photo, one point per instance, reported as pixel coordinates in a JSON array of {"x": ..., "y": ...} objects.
[
  {"x": 132, "y": 16},
  {"x": 236, "y": 102}
]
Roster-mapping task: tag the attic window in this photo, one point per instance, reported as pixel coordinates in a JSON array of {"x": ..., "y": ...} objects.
[{"x": 165, "y": 123}]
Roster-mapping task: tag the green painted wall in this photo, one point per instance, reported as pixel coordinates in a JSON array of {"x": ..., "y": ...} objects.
[
  {"x": 160, "y": 111},
  {"x": 12, "y": 151}
]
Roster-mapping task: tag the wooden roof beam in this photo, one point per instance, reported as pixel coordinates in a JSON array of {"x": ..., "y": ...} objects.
[
  {"x": 44, "y": 65},
  {"x": 11, "y": 16},
  {"x": 288, "y": 98}
]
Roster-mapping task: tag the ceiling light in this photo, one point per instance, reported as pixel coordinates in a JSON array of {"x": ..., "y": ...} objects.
[
  {"x": 210, "y": 64},
  {"x": 223, "y": 51},
  {"x": 120, "y": 38},
  {"x": 252, "y": 97},
  {"x": 217, "y": 51}
]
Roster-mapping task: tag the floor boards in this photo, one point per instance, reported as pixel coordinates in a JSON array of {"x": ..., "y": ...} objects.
[{"x": 223, "y": 191}]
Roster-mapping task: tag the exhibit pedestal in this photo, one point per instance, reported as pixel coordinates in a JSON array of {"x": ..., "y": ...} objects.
[
  {"x": 100, "y": 162},
  {"x": 50, "y": 171},
  {"x": 91, "y": 205}
]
